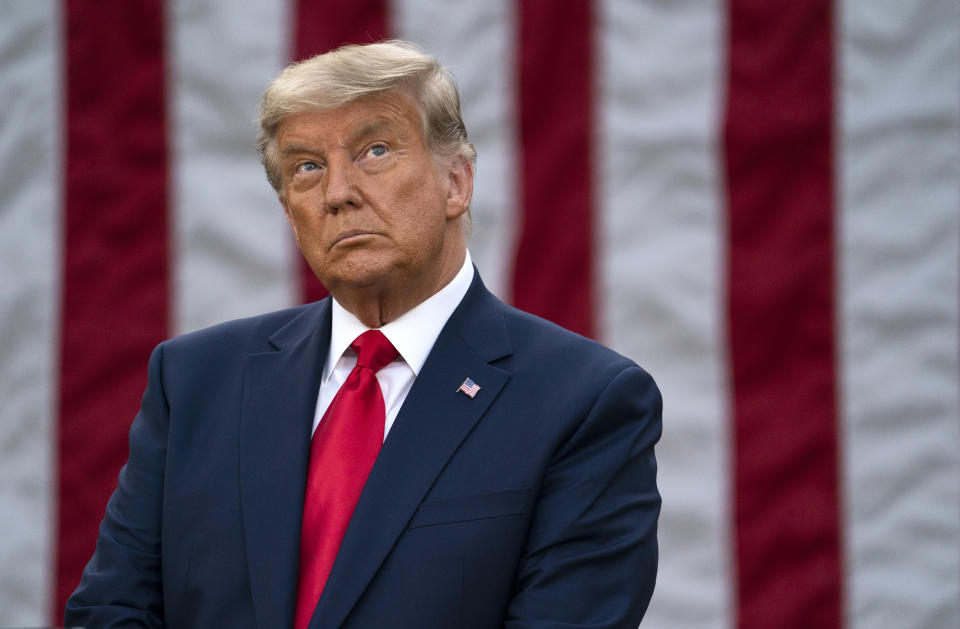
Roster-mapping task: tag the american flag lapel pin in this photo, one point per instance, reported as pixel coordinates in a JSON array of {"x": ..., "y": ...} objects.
[{"x": 469, "y": 387}]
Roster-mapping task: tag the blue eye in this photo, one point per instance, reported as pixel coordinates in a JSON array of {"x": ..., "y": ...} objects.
[
  {"x": 307, "y": 167},
  {"x": 378, "y": 150}
]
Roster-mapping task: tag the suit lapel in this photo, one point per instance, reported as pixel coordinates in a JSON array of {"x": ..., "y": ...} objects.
[
  {"x": 434, "y": 420},
  {"x": 279, "y": 399}
]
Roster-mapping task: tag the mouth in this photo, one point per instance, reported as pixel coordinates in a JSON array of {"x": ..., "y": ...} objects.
[{"x": 351, "y": 234}]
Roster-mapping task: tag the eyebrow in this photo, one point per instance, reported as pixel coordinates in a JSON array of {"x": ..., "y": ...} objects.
[
  {"x": 298, "y": 148},
  {"x": 365, "y": 130},
  {"x": 369, "y": 128}
]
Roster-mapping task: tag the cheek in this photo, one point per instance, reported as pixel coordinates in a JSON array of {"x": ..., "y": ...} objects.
[
  {"x": 301, "y": 215},
  {"x": 421, "y": 222},
  {"x": 288, "y": 214},
  {"x": 418, "y": 202},
  {"x": 306, "y": 226}
]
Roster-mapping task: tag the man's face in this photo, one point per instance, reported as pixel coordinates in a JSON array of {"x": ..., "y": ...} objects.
[{"x": 369, "y": 204}]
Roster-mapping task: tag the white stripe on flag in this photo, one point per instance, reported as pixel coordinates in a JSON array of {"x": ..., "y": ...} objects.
[
  {"x": 30, "y": 209},
  {"x": 233, "y": 254},
  {"x": 661, "y": 276},
  {"x": 899, "y": 203},
  {"x": 476, "y": 41}
]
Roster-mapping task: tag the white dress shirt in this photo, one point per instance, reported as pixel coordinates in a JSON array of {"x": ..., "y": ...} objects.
[{"x": 413, "y": 334}]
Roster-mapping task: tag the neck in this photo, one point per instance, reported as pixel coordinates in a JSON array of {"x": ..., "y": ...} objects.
[{"x": 379, "y": 304}]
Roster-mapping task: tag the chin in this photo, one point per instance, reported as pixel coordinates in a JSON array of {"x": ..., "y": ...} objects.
[{"x": 357, "y": 275}]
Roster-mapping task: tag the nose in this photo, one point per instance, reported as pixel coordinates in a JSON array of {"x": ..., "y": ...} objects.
[{"x": 340, "y": 193}]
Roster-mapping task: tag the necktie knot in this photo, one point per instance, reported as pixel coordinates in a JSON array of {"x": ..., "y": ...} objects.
[{"x": 373, "y": 350}]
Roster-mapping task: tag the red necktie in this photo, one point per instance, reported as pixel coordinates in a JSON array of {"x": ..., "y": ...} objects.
[{"x": 342, "y": 451}]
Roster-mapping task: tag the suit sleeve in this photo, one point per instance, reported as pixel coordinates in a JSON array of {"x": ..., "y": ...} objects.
[
  {"x": 591, "y": 554},
  {"x": 122, "y": 584}
]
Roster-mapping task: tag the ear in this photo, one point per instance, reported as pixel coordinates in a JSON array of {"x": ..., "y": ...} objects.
[{"x": 459, "y": 187}]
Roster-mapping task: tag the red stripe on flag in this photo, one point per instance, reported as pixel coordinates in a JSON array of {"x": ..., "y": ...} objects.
[
  {"x": 553, "y": 272},
  {"x": 115, "y": 255},
  {"x": 780, "y": 169},
  {"x": 322, "y": 25}
]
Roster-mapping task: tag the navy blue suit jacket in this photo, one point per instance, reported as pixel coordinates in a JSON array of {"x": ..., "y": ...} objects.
[{"x": 532, "y": 505}]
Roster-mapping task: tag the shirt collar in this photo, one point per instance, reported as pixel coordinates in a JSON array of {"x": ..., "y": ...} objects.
[{"x": 413, "y": 333}]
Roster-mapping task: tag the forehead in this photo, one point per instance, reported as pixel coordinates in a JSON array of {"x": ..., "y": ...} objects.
[{"x": 394, "y": 113}]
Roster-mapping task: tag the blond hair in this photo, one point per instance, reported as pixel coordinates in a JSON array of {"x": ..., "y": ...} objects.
[{"x": 352, "y": 72}]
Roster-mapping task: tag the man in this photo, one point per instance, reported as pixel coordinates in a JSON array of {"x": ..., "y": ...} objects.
[{"x": 469, "y": 466}]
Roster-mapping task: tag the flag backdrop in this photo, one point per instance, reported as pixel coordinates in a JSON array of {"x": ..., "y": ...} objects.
[{"x": 757, "y": 201}]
